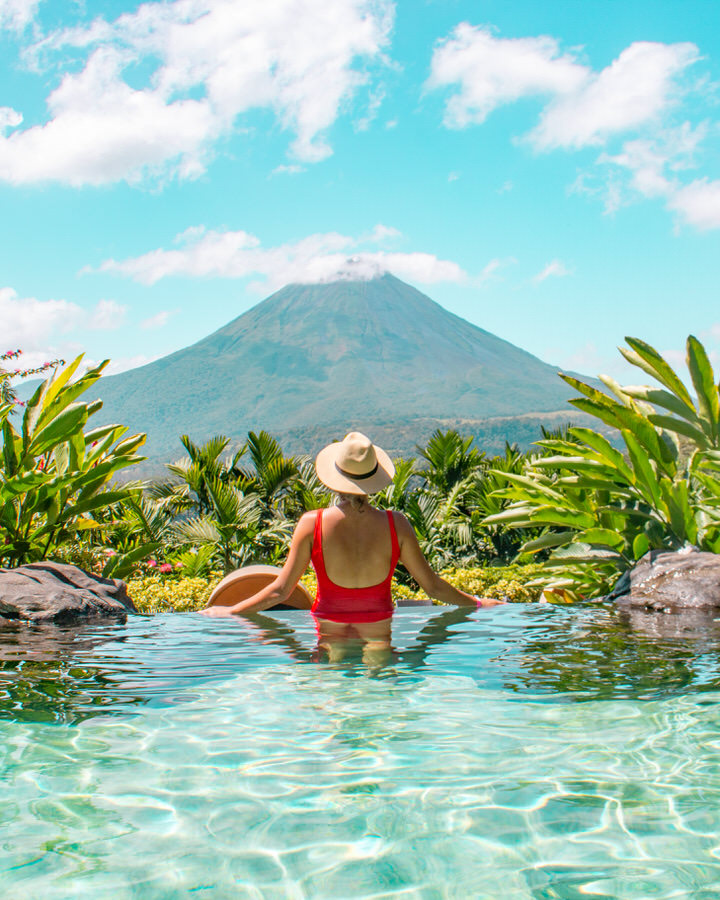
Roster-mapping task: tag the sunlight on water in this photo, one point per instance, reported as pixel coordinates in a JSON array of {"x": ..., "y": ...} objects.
[{"x": 178, "y": 756}]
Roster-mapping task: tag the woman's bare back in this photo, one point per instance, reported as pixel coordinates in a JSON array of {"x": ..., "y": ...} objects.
[{"x": 357, "y": 546}]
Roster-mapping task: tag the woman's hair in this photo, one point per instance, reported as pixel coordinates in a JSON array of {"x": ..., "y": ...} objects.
[{"x": 357, "y": 501}]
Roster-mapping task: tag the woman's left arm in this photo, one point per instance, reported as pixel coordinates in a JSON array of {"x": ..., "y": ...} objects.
[{"x": 278, "y": 591}]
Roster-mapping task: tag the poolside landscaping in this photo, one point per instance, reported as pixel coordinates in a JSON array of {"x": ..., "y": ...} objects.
[{"x": 567, "y": 518}]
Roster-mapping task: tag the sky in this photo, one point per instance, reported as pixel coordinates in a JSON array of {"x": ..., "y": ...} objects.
[{"x": 548, "y": 171}]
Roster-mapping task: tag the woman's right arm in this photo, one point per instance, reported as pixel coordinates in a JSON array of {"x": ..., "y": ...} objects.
[
  {"x": 279, "y": 590},
  {"x": 412, "y": 557}
]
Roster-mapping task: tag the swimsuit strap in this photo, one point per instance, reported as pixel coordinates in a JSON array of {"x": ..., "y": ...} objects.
[
  {"x": 317, "y": 547},
  {"x": 395, "y": 544}
]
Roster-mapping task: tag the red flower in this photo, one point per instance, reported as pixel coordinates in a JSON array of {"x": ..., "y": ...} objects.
[{"x": 165, "y": 568}]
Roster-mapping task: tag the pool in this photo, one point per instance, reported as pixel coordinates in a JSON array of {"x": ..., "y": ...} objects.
[{"x": 515, "y": 752}]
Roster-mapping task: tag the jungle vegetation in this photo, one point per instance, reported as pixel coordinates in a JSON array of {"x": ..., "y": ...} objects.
[{"x": 577, "y": 504}]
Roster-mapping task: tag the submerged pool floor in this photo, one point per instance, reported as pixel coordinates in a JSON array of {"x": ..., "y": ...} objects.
[{"x": 530, "y": 752}]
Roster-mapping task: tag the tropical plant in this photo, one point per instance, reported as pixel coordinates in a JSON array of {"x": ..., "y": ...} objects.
[
  {"x": 54, "y": 475},
  {"x": 602, "y": 509},
  {"x": 7, "y": 389},
  {"x": 236, "y": 528}
]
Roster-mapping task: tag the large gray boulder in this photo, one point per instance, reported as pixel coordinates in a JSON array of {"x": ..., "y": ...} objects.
[
  {"x": 66, "y": 595},
  {"x": 671, "y": 582}
]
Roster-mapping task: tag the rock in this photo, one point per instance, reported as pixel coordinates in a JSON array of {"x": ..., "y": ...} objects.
[
  {"x": 671, "y": 582},
  {"x": 59, "y": 593}
]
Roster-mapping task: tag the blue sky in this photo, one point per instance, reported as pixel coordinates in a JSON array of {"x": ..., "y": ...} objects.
[{"x": 549, "y": 171}]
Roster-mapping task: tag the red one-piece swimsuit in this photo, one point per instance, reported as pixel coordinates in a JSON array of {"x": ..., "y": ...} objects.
[{"x": 344, "y": 604}]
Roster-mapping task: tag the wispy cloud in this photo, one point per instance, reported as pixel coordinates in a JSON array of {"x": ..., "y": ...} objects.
[
  {"x": 17, "y": 14},
  {"x": 554, "y": 269},
  {"x": 319, "y": 257},
  {"x": 634, "y": 99},
  {"x": 159, "y": 320},
  {"x": 47, "y": 329}
]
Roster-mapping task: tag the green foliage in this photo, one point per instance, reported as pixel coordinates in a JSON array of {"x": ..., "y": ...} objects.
[
  {"x": 602, "y": 509},
  {"x": 54, "y": 473},
  {"x": 155, "y": 594}
]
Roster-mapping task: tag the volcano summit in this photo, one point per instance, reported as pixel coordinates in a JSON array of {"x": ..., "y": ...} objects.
[{"x": 315, "y": 360}]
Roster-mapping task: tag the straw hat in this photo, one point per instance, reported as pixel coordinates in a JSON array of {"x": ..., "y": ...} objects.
[
  {"x": 243, "y": 583},
  {"x": 354, "y": 466}
]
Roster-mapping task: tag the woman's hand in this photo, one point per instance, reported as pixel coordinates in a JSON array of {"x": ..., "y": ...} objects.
[
  {"x": 489, "y": 601},
  {"x": 216, "y": 612}
]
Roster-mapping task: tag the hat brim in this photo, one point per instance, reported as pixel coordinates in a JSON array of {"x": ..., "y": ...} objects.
[
  {"x": 332, "y": 477},
  {"x": 243, "y": 583}
]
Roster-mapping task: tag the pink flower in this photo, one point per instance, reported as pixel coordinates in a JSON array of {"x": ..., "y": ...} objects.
[
  {"x": 151, "y": 563},
  {"x": 178, "y": 565},
  {"x": 165, "y": 567}
]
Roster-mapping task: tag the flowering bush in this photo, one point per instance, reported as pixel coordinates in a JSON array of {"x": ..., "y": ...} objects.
[{"x": 155, "y": 594}]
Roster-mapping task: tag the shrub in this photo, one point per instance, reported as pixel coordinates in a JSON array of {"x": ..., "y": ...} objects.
[{"x": 155, "y": 594}]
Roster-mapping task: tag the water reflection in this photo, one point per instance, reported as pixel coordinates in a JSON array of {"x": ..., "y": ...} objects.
[
  {"x": 42, "y": 678},
  {"x": 551, "y": 654},
  {"x": 603, "y": 654}
]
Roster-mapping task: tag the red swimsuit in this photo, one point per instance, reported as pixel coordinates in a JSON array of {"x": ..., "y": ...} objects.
[{"x": 344, "y": 604}]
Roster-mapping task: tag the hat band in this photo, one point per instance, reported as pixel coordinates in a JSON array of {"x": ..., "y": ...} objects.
[{"x": 355, "y": 477}]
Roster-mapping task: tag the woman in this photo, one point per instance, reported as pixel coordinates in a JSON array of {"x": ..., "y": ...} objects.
[{"x": 354, "y": 549}]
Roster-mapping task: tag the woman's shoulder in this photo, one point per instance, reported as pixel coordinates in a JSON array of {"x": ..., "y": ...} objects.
[{"x": 307, "y": 520}]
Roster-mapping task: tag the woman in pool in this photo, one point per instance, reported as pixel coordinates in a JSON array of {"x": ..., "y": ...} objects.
[{"x": 354, "y": 549}]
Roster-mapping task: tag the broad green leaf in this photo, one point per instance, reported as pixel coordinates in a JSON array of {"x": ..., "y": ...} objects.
[
  {"x": 646, "y": 478},
  {"x": 647, "y": 358},
  {"x": 61, "y": 379},
  {"x": 658, "y": 397},
  {"x": 641, "y": 545},
  {"x": 704, "y": 383},
  {"x": 680, "y": 426},
  {"x": 601, "y": 536},
  {"x": 99, "y": 501},
  {"x": 545, "y": 541},
  {"x": 533, "y": 484},
  {"x": 12, "y": 447},
  {"x": 69, "y": 421},
  {"x": 582, "y": 552},
  {"x": 60, "y": 394}
]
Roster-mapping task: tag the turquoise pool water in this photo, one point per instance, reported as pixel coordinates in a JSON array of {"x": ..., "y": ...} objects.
[{"x": 519, "y": 752}]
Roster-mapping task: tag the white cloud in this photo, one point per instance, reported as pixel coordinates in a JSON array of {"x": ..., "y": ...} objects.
[
  {"x": 554, "y": 269},
  {"x": 159, "y": 320},
  {"x": 635, "y": 89},
  {"x": 47, "y": 329},
  {"x": 9, "y": 118},
  {"x": 107, "y": 316},
  {"x": 316, "y": 258},
  {"x": 489, "y": 72},
  {"x": 292, "y": 169},
  {"x": 213, "y": 61},
  {"x": 582, "y": 107},
  {"x": 16, "y": 14},
  {"x": 654, "y": 166},
  {"x": 698, "y": 203},
  {"x": 30, "y": 324}
]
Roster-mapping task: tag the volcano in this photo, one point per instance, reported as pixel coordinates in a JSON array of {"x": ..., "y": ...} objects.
[{"x": 313, "y": 361}]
